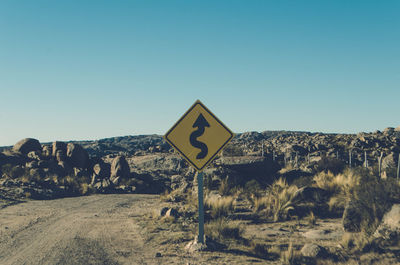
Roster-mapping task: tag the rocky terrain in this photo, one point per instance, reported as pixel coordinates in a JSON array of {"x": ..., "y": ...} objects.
[{"x": 280, "y": 197}]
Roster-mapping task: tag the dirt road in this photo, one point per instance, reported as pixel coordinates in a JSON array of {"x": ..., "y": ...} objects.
[{"x": 98, "y": 229}]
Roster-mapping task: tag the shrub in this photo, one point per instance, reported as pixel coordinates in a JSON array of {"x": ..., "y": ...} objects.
[
  {"x": 330, "y": 164},
  {"x": 374, "y": 198}
]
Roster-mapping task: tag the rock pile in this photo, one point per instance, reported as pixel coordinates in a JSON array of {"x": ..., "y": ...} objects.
[{"x": 59, "y": 169}]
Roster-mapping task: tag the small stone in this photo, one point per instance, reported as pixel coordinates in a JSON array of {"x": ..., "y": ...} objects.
[
  {"x": 172, "y": 212},
  {"x": 313, "y": 251}
]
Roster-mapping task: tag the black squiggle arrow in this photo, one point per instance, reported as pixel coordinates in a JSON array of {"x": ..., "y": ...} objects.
[{"x": 201, "y": 123}]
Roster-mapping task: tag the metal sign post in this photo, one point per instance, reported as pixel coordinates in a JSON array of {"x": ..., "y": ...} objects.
[
  {"x": 200, "y": 238},
  {"x": 198, "y": 136}
]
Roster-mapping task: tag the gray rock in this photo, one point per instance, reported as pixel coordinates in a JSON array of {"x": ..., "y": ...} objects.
[
  {"x": 172, "y": 212},
  {"x": 161, "y": 211},
  {"x": 389, "y": 228},
  {"x": 61, "y": 156},
  {"x": 119, "y": 170},
  {"x": 95, "y": 180},
  {"x": 310, "y": 194},
  {"x": 102, "y": 169},
  {"x": 77, "y": 156},
  {"x": 27, "y": 145},
  {"x": 47, "y": 151},
  {"x": 64, "y": 168},
  {"x": 105, "y": 184},
  {"x": 59, "y": 146},
  {"x": 34, "y": 155},
  {"x": 389, "y": 161},
  {"x": 388, "y": 130},
  {"x": 313, "y": 251}
]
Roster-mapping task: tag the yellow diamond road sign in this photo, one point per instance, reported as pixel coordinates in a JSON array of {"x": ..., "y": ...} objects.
[{"x": 199, "y": 136}]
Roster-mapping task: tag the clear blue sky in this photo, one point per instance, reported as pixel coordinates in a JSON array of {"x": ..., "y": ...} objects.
[{"x": 72, "y": 70}]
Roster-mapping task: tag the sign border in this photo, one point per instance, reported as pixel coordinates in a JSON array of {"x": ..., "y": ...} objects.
[{"x": 198, "y": 102}]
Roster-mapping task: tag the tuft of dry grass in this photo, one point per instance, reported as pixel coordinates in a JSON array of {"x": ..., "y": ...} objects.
[
  {"x": 225, "y": 187},
  {"x": 311, "y": 219},
  {"x": 290, "y": 256},
  {"x": 223, "y": 228},
  {"x": 281, "y": 195},
  {"x": 343, "y": 182},
  {"x": 341, "y": 186},
  {"x": 176, "y": 195},
  {"x": 219, "y": 206},
  {"x": 278, "y": 200}
]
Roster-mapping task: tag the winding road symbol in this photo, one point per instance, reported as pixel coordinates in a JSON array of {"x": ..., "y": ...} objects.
[
  {"x": 201, "y": 123},
  {"x": 198, "y": 136}
]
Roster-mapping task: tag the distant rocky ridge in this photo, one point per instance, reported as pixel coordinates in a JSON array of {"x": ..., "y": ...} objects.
[{"x": 146, "y": 163}]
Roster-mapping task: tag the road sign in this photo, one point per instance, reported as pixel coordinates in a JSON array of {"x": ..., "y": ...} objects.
[{"x": 199, "y": 136}]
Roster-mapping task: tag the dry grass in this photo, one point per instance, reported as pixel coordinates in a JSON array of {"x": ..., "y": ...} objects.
[
  {"x": 223, "y": 228},
  {"x": 219, "y": 206},
  {"x": 311, "y": 219},
  {"x": 225, "y": 187},
  {"x": 341, "y": 186},
  {"x": 173, "y": 196},
  {"x": 290, "y": 256},
  {"x": 343, "y": 182},
  {"x": 278, "y": 200}
]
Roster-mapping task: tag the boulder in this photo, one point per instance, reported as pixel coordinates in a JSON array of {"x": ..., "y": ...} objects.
[
  {"x": 64, "y": 168},
  {"x": 47, "y": 151},
  {"x": 389, "y": 229},
  {"x": 160, "y": 212},
  {"x": 312, "y": 250},
  {"x": 34, "y": 155},
  {"x": 27, "y": 145},
  {"x": 59, "y": 146},
  {"x": 13, "y": 158},
  {"x": 352, "y": 218},
  {"x": 61, "y": 156},
  {"x": 77, "y": 156},
  {"x": 172, "y": 212},
  {"x": 119, "y": 169},
  {"x": 388, "y": 130},
  {"x": 389, "y": 161},
  {"x": 310, "y": 194},
  {"x": 102, "y": 170}
]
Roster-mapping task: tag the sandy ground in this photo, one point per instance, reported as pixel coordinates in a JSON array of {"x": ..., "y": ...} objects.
[
  {"x": 99, "y": 229},
  {"x": 121, "y": 229}
]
